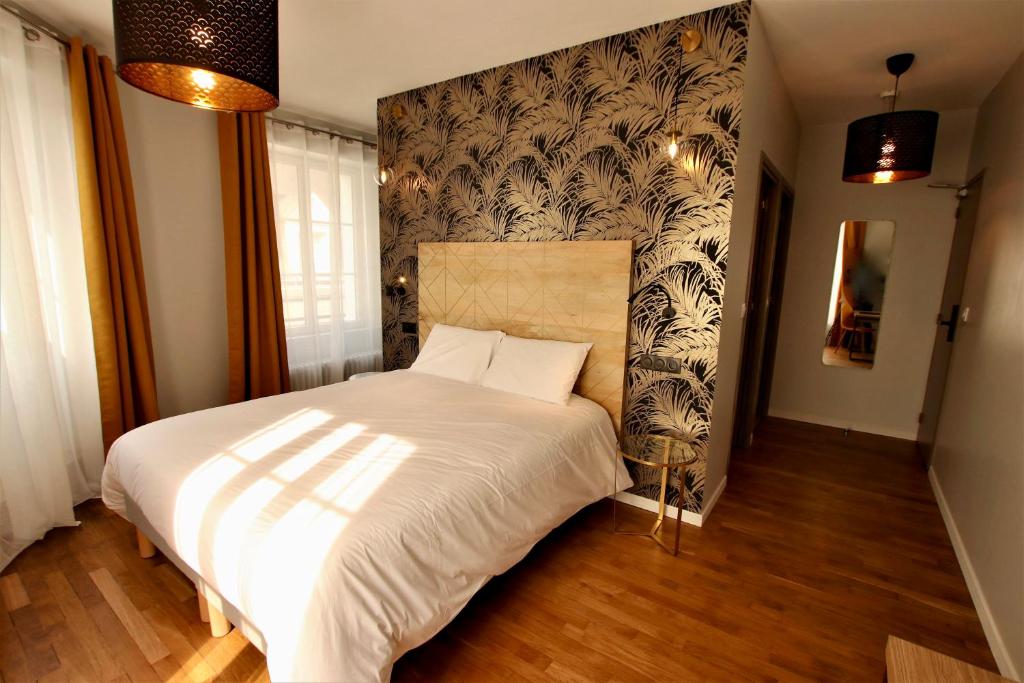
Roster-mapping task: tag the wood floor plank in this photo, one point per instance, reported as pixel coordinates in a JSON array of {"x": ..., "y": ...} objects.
[
  {"x": 194, "y": 666},
  {"x": 821, "y": 546},
  {"x": 13, "y": 592},
  {"x": 35, "y": 639},
  {"x": 13, "y": 664},
  {"x": 79, "y": 623},
  {"x": 141, "y": 632},
  {"x": 121, "y": 644},
  {"x": 174, "y": 582}
]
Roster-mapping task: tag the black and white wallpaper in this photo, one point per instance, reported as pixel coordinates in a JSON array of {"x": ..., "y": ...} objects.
[{"x": 571, "y": 146}]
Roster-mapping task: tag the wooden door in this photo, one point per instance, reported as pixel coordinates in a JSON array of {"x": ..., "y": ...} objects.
[
  {"x": 774, "y": 303},
  {"x": 948, "y": 317},
  {"x": 766, "y": 267}
]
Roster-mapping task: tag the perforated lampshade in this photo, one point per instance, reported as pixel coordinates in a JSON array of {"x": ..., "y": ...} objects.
[
  {"x": 888, "y": 148},
  {"x": 213, "y": 54}
]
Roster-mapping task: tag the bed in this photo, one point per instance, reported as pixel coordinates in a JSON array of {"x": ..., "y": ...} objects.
[{"x": 340, "y": 527}]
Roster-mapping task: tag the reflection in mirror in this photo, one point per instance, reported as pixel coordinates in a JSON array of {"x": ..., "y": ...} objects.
[{"x": 858, "y": 286}]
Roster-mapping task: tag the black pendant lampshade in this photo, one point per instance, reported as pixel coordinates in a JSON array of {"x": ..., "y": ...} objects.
[
  {"x": 890, "y": 147},
  {"x": 213, "y": 54}
]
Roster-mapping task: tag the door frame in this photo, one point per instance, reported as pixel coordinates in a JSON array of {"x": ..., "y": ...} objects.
[
  {"x": 765, "y": 281},
  {"x": 935, "y": 381}
]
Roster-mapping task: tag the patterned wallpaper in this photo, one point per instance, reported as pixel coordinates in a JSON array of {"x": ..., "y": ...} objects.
[{"x": 570, "y": 146}]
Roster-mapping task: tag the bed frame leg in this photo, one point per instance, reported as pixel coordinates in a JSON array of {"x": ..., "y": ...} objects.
[
  {"x": 219, "y": 624},
  {"x": 204, "y": 609},
  {"x": 146, "y": 547}
]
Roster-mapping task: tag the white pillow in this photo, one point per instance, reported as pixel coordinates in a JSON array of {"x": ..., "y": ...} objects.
[
  {"x": 538, "y": 368},
  {"x": 457, "y": 353}
]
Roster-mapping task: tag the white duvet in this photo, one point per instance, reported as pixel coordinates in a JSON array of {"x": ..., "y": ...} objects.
[{"x": 350, "y": 523}]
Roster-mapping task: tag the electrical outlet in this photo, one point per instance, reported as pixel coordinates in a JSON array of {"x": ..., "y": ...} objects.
[{"x": 650, "y": 361}]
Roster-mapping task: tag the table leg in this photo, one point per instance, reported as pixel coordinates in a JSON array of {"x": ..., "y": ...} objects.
[
  {"x": 615, "y": 489},
  {"x": 679, "y": 504}
]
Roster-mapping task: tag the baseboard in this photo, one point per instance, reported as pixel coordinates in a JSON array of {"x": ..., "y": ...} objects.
[
  {"x": 696, "y": 519},
  {"x": 709, "y": 503},
  {"x": 988, "y": 624},
  {"x": 652, "y": 506},
  {"x": 844, "y": 424}
]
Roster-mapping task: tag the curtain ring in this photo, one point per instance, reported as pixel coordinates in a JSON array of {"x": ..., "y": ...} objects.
[{"x": 31, "y": 34}]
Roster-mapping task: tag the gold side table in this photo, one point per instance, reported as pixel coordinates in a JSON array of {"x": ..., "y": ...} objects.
[{"x": 661, "y": 452}]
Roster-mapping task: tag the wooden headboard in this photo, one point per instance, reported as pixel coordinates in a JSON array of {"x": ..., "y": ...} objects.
[{"x": 569, "y": 291}]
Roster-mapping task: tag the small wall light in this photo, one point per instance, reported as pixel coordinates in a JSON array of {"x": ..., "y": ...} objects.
[
  {"x": 669, "y": 311},
  {"x": 689, "y": 41},
  {"x": 397, "y": 288},
  {"x": 384, "y": 175}
]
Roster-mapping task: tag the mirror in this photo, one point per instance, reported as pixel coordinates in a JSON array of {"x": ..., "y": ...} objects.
[{"x": 858, "y": 287}]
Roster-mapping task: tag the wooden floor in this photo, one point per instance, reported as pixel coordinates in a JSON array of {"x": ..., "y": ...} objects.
[{"x": 821, "y": 546}]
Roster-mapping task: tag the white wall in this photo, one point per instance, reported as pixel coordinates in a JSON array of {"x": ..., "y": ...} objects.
[
  {"x": 175, "y": 169},
  {"x": 769, "y": 125},
  {"x": 978, "y": 461},
  {"x": 887, "y": 398}
]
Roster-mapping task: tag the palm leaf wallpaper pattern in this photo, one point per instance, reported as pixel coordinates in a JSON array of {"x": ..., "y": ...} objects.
[{"x": 570, "y": 146}]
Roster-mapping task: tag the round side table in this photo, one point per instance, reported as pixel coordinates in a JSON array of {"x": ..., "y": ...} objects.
[{"x": 664, "y": 453}]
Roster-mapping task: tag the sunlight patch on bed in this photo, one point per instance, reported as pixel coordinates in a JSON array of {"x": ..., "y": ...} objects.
[
  {"x": 204, "y": 484},
  {"x": 250, "y": 507},
  {"x": 285, "y": 575}
]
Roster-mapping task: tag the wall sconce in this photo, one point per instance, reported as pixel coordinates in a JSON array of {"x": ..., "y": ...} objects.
[
  {"x": 669, "y": 311},
  {"x": 689, "y": 40},
  {"x": 397, "y": 288},
  {"x": 384, "y": 175}
]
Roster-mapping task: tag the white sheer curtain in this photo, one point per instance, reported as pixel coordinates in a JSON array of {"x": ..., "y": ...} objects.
[
  {"x": 51, "y": 448},
  {"x": 325, "y": 205}
]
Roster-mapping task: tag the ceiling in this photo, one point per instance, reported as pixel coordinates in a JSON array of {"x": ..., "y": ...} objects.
[
  {"x": 831, "y": 53},
  {"x": 339, "y": 56}
]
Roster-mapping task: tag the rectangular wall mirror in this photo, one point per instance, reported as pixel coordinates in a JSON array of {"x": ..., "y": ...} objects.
[{"x": 858, "y": 288}]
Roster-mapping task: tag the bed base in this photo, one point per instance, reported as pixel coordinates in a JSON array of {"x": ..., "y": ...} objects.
[
  {"x": 219, "y": 624},
  {"x": 146, "y": 547}
]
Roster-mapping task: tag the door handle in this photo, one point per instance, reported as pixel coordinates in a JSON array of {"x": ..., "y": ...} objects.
[{"x": 950, "y": 324}]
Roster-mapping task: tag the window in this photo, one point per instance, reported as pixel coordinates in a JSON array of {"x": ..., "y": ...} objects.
[{"x": 329, "y": 250}]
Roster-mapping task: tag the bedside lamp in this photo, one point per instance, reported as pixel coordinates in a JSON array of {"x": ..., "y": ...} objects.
[
  {"x": 667, "y": 312},
  {"x": 396, "y": 288}
]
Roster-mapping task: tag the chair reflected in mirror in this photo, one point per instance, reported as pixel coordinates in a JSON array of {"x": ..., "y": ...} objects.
[{"x": 858, "y": 289}]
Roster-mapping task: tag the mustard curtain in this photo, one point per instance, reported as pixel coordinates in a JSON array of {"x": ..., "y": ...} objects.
[
  {"x": 113, "y": 259},
  {"x": 257, "y": 352}
]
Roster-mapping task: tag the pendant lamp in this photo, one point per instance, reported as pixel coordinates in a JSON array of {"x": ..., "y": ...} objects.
[
  {"x": 894, "y": 146},
  {"x": 689, "y": 40},
  {"x": 212, "y": 54}
]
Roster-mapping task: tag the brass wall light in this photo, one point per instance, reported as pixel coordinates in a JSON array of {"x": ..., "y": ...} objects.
[
  {"x": 689, "y": 40},
  {"x": 384, "y": 175},
  {"x": 396, "y": 288},
  {"x": 209, "y": 54}
]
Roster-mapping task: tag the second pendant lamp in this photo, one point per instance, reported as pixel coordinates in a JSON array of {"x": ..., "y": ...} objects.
[{"x": 894, "y": 146}]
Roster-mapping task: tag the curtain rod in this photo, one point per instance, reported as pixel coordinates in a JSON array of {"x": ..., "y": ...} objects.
[
  {"x": 332, "y": 133},
  {"x": 34, "y": 21}
]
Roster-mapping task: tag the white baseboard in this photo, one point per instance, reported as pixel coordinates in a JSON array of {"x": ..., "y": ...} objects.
[
  {"x": 844, "y": 424},
  {"x": 988, "y": 624},
  {"x": 709, "y": 503},
  {"x": 692, "y": 518}
]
